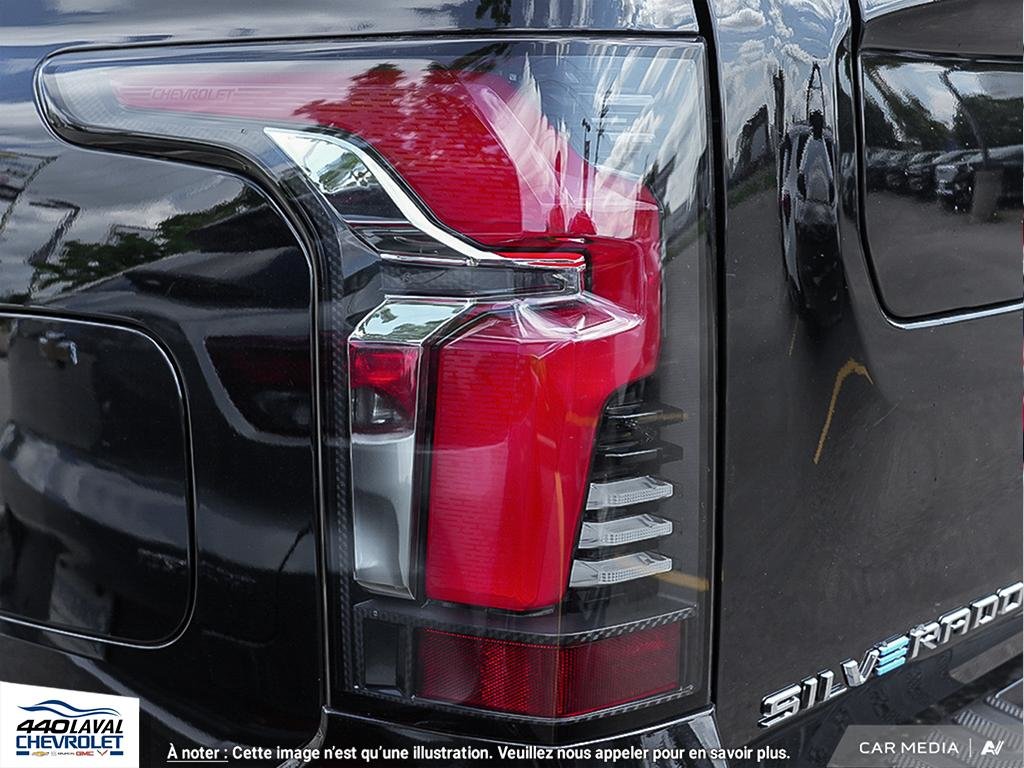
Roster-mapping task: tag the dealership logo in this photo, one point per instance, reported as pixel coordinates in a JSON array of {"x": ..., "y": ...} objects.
[
  {"x": 884, "y": 657},
  {"x": 54, "y": 727}
]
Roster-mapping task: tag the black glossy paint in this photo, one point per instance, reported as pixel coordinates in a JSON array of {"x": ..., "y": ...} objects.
[
  {"x": 869, "y": 467},
  {"x": 867, "y": 464},
  {"x": 925, "y": 693},
  {"x": 200, "y": 261},
  {"x": 960, "y": 27},
  {"x": 95, "y": 527},
  {"x": 943, "y": 173}
]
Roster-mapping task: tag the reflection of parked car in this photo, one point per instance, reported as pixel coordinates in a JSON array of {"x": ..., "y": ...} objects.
[
  {"x": 919, "y": 172},
  {"x": 894, "y": 170},
  {"x": 878, "y": 165},
  {"x": 957, "y": 182},
  {"x": 944, "y": 159}
]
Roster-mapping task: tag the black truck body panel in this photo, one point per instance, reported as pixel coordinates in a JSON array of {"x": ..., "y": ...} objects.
[
  {"x": 868, "y": 464},
  {"x": 869, "y": 516}
]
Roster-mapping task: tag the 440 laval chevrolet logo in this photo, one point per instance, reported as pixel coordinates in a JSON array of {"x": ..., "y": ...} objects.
[
  {"x": 888, "y": 655},
  {"x": 58, "y": 728}
]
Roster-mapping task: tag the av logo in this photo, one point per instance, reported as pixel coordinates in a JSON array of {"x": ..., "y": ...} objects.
[{"x": 993, "y": 747}]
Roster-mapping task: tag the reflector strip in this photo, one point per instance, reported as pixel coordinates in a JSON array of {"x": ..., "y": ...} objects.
[{"x": 548, "y": 681}]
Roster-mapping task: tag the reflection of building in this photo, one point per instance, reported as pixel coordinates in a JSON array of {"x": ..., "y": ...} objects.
[
  {"x": 120, "y": 231},
  {"x": 42, "y": 224},
  {"x": 754, "y": 146},
  {"x": 779, "y": 89},
  {"x": 54, "y": 217},
  {"x": 16, "y": 172}
]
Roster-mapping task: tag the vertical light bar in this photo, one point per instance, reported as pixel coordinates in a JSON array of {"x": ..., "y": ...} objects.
[{"x": 385, "y": 356}]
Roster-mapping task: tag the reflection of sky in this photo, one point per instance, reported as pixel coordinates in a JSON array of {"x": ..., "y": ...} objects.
[
  {"x": 874, "y": 8},
  {"x": 63, "y": 21},
  {"x": 16, "y": 68},
  {"x": 20, "y": 127},
  {"x": 921, "y": 80},
  {"x": 998, "y": 85},
  {"x": 767, "y": 36}
]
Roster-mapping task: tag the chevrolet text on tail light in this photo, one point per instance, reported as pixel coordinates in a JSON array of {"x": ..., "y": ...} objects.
[{"x": 515, "y": 322}]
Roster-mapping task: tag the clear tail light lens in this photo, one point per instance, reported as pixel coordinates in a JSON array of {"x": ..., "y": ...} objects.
[{"x": 515, "y": 319}]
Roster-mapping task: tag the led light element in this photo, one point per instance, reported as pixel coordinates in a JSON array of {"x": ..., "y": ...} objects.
[
  {"x": 335, "y": 164},
  {"x": 625, "y": 493},
  {"x": 615, "y": 570},
  {"x": 625, "y": 530}
]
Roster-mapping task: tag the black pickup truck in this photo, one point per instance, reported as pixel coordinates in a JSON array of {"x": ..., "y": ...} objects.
[{"x": 480, "y": 382}]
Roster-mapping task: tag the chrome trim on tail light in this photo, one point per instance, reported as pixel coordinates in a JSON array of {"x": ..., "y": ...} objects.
[{"x": 333, "y": 165}]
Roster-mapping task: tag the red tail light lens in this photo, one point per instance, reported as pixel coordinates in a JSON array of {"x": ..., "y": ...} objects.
[
  {"x": 515, "y": 325},
  {"x": 384, "y": 382},
  {"x": 547, "y": 681},
  {"x": 521, "y": 393}
]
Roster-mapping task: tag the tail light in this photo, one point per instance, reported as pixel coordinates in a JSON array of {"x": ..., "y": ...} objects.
[
  {"x": 547, "y": 680},
  {"x": 513, "y": 248}
]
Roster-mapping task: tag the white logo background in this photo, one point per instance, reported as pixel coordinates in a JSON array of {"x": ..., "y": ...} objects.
[{"x": 13, "y": 697}]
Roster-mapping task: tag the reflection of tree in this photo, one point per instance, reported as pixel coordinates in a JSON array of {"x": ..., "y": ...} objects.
[
  {"x": 980, "y": 120},
  {"x": 999, "y": 119},
  {"x": 877, "y": 127},
  {"x": 500, "y": 11},
  {"x": 389, "y": 108},
  {"x": 910, "y": 115},
  {"x": 482, "y": 59},
  {"x": 178, "y": 232},
  {"x": 81, "y": 263}
]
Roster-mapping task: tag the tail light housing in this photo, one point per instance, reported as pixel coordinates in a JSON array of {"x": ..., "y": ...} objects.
[{"x": 515, "y": 315}]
